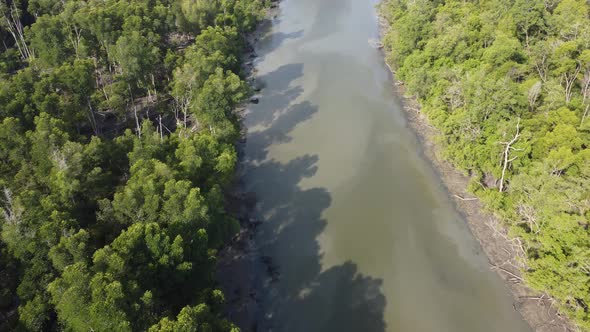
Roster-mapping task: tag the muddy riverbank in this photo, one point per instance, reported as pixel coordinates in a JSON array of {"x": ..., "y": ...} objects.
[
  {"x": 537, "y": 309},
  {"x": 241, "y": 269}
]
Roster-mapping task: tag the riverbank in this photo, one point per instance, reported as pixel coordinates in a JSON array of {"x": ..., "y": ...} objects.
[
  {"x": 502, "y": 251},
  {"x": 241, "y": 269}
]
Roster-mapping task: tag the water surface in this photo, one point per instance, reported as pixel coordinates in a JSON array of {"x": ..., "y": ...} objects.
[{"x": 364, "y": 235}]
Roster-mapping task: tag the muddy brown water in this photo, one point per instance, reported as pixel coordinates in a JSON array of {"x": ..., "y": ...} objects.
[{"x": 363, "y": 235}]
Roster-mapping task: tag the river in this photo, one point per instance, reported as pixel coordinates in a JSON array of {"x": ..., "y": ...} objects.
[{"x": 363, "y": 233}]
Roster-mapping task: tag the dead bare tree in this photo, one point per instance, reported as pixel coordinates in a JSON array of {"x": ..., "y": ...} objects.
[
  {"x": 74, "y": 33},
  {"x": 550, "y": 4},
  {"x": 466, "y": 198},
  {"x": 568, "y": 81},
  {"x": 534, "y": 93},
  {"x": 92, "y": 118},
  {"x": 586, "y": 86},
  {"x": 586, "y": 94},
  {"x": 508, "y": 148},
  {"x": 513, "y": 277},
  {"x": 529, "y": 216},
  {"x": 182, "y": 105},
  {"x": 585, "y": 114},
  {"x": 542, "y": 67},
  {"x": 136, "y": 120},
  {"x": 161, "y": 129},
  {"x": 138, "y": 127},
  {"x": 11, "y": 21},
  {"x": 454, "y": 96},
  {"x": 12, "y": 213},
  {"x": 100, "y": 81},
  {"x": 517, "y": 252}
]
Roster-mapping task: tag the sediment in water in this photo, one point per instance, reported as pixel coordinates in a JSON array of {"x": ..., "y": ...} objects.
[{"x": 243, "y": 271}]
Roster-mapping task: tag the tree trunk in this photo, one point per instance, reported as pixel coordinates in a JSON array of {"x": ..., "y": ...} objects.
[{"x": 507, "y": 154}]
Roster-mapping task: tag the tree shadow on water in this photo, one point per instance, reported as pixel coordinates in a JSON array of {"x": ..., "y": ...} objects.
[
  {"x": 296, "y": 293},
  {"x": 277, "y": 95},
  {"x": 271, "y": 41},
  {"x": 260, "y": 141},
  {"x": 301, "y": 296}
]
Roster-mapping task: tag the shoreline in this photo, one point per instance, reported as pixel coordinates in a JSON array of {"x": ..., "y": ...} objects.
[
  {"x": 241, "y": 269},
  {"x": 537, "y": 309}
]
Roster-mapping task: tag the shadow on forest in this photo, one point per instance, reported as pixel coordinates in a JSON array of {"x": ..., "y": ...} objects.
[{"x": 297, "y": 295}]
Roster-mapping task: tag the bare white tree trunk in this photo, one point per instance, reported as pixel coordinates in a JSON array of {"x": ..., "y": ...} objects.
[
  {"x": 567, "y": 81},
  {"x": 541, "y": 67},
  {"x": 75, "y": 38},
  {"x": 507, "y": 150},
  {"x": 161, "y": 129},
  {"x": 586, "y": 87},
  {"x": 137, "y": 121},
  {"x": 138, "y": 127},
  {"x": 585, "y": 95},
  {"x": 585, "y": 114},
  {"x": 92, "y": 118},
  {"x": 534, "y": 93},
  {"x": 15, "y": 28},
  {"x": 12, "y": 213}
]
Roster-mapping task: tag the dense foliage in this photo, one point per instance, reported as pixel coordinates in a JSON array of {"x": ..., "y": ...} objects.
[
  {"x": 507, "y": 83},
  {"x": 117, "y": 140}
]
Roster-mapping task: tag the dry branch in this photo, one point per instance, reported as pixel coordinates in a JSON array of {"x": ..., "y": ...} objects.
[{"x": 467, "y": 198}]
